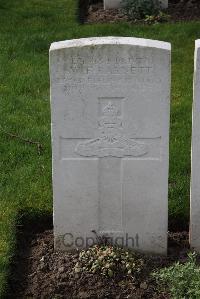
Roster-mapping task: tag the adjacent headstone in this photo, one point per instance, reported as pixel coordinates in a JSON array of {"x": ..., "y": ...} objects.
[
  {"x": 117, "y": 3},
  {"x": 195, "y": 175},
  {"x": 110, "y": 126}
]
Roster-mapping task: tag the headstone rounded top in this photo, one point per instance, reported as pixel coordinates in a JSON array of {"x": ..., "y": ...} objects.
[
  {"x": 197, "y": 46},
  {"x": 197, "y": 43},
  {"x": 110, "y": 40}
]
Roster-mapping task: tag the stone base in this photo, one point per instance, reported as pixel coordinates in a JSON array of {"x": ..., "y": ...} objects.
[
  {"x": 116, "y": 4},
  {"x": 111, "y": 4}
]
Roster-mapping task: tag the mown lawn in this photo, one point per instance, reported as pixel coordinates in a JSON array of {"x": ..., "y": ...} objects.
[{"x": 27, "y": 29}]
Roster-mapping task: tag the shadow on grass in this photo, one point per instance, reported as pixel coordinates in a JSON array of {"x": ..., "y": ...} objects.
[
  {"x": 83, "y": 6},
  {"x": 29, "y": 223},
  {"x": 178, "y": 224},
  {"x": 82, "y": 10}
]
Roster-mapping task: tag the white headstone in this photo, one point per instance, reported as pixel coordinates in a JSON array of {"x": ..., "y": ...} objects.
[
  {"x": 117, "y": 3},
  {"x": 110, "y": 127},
  {"x": 195, "y": 179}
]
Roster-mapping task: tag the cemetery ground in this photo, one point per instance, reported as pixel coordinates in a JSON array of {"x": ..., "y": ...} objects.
[{"x": 27, "y": 29}]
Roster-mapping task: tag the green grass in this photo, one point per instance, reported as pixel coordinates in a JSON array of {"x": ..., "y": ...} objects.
[
  {"x": 27, "y": 28},
  {"x": 180, "y": 280}
]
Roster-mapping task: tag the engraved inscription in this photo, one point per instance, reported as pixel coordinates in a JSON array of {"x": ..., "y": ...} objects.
[
  {"x": 111, "y": 140},
  {"x": 106, "y": 70}
]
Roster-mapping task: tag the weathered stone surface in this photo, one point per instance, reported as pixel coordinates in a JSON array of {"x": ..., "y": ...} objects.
[
  {"x": 195, "y": 175},
  {"x": 116, "y": 3},
  {"x": 110, "y": 127}
]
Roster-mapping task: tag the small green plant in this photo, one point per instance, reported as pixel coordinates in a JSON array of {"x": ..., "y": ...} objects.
[
  {"x": 108, "y": 261},
  {"x": 182, "y": 281},
  {"x": 155, "y": 19},
  {"x": 139, "y": 9}
]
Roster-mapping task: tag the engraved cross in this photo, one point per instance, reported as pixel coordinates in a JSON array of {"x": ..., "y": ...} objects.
[{"x": 111, "y": 147}]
